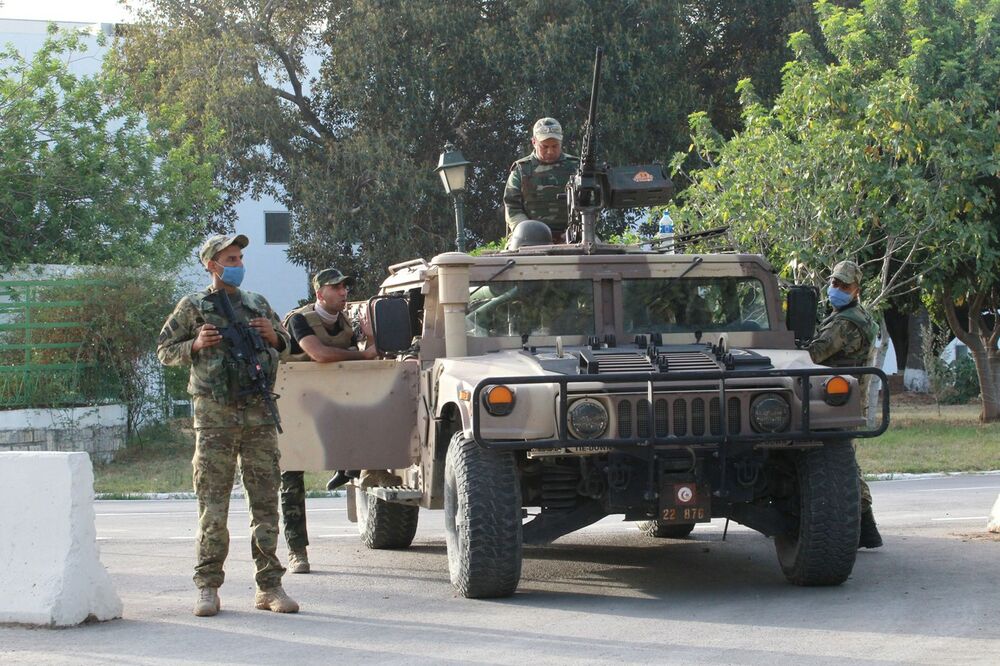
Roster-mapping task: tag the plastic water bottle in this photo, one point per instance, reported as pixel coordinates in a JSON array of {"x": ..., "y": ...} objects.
[{"x": 665, "y": 233}]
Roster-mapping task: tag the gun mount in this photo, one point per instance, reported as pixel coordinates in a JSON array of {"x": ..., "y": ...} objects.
[{"x": 595, "y": 187}]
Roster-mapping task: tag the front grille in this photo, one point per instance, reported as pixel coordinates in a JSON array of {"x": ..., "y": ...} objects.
[
  {"x": 697, "y": 417},
  {"x": 678, "y": 416},
  {"x": 733, "y": 414},
  {"x": 625, "y": 419},
  {"x": 642, "y": 418}
]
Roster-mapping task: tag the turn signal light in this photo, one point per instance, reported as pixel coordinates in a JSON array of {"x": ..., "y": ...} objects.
[
  {"x": 836, "y": 391},
  {"x": 498, "y": 400}
]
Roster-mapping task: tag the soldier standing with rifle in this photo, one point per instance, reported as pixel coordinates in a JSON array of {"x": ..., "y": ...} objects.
[{"x": 231, "y": 339}]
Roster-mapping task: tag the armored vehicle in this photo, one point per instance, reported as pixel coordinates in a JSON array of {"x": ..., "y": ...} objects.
[{"x": 535, "y": 391}]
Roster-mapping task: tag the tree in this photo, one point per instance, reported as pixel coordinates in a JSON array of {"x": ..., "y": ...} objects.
[
  {"x": 886, "y": 155},
  {"x": 85, "y": 178},
  {"x": 340, "y": 108}
]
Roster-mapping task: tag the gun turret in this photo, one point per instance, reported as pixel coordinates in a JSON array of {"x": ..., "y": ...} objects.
[{"x": 593, "y": 188}]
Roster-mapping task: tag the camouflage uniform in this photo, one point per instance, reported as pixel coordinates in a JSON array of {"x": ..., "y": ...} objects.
[
  {"x": 845, "y": 339},
  {"x": 229, "y": 430},
  {"x": 293, "y": 490},
  {"x": 533, "y": 190}
]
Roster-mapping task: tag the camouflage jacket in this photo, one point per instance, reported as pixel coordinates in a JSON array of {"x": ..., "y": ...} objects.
[
  {"x": 844, "y": 338},
  {"x": 533, "y": 190},
  {"x": 215, "y": 378}
]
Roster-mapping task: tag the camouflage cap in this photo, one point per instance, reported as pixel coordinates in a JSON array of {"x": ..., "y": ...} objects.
[
  {"x": 331, "y": 276},
  {"x": 847, "y": 272},
  {"x": 547, "y": 128},
  {"x": 216, "y": 244}
]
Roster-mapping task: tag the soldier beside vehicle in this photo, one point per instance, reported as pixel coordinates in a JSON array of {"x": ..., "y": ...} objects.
[
  {"x": 845, "y": 339},
  {"x": 320, "y": 331},
  {"x": 233, "y": 422}
]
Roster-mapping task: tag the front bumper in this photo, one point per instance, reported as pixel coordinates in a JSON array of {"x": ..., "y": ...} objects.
[{"x": 660, "y": 386}]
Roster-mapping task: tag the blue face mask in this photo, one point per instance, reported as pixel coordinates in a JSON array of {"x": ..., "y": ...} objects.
[
  {"x": 838, "y": 297},
  {"x": 233, "y": 275}
]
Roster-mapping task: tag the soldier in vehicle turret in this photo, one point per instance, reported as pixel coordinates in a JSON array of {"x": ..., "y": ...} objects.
[
  {"x": 536, "y": 181},
  {"x": 844, "y": 339}
]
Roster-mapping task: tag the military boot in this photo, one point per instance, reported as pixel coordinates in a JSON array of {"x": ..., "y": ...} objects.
[
  {"x": 870, "y": 538},
  {"x": 371, "y": 478},
  {"x": 339, "y": 479},
  {"x": 298, "y": 561},
  {"x": 275, "y": 599},
  {"x": 208, "y": 602}
]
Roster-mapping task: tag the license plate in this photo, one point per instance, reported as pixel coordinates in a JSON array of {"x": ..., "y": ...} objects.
[{"x": 685, "y": 503}]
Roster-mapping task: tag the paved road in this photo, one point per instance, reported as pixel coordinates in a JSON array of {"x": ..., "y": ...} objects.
[{"x": 605, "y": 594}]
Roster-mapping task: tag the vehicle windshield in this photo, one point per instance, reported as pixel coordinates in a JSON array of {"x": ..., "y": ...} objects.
[
  {"x": 530, "y": 307},
  {"x": 669, "y": 305}
]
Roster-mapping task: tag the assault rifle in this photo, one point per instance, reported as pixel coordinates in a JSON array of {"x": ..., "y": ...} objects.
[
  {"x": 246, "y": 347},
  {"x": 595, "y": 187}
]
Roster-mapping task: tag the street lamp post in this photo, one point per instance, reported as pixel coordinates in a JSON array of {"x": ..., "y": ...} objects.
[{"x": 452, "y": 167}]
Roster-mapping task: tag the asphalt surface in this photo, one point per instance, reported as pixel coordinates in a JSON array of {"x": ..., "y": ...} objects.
[{"x": 605, "y": 594}]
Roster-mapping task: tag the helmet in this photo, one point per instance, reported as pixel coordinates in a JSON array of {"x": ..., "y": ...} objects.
[{"x": 529, "y": 232}]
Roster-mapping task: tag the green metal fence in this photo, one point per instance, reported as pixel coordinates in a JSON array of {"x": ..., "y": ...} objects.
[{"x": 43, "y": 345}]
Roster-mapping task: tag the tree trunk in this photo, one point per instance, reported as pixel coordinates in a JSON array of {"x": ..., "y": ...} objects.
[
  {"x": 988, "y": 369},
  {"x": 981, "y": 339},
  {"x": 870, "y": 384},
  {"x": 900, "y": 329},
  {"x": 915, "y": 376}
]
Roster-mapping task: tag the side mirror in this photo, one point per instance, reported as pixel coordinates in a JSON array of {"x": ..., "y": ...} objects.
[
  {"x": 390, "y": 319},
  {"x": 800, "y": 314}
]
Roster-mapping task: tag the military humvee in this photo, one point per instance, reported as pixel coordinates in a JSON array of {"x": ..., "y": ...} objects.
[
  {"x": 562, "y": 387},
  {"x": 555, "y": 385}
]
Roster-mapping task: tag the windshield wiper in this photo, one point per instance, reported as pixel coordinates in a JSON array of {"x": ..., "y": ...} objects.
[
  {"x": 694, "y": 264},
  {"x": 510, "y": 263}
]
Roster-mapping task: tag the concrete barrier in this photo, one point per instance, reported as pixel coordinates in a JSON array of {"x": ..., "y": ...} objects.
[
  {"x": 50, "y": 569},
  {"x": 993, "y": 525}
]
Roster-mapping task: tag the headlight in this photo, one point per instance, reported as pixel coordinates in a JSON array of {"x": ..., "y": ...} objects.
[
  {"x": 769, "y": 412},
  {"x": 498, "y": 400},
  {"x": 836, "y": 391},
  {"x": 587, "y": 419}
]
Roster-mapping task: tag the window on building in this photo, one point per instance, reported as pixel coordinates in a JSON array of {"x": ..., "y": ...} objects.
[{"x": 277, "y": 227}]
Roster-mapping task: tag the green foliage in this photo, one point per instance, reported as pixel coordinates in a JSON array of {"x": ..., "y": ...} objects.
[
  {"x": 86, "y": 179},
  {"x": 349, "y": 146},
  {"x": 886, "y": 155},
  {"x": 953, "y": 383},
  {"x": 115, "y": 322},
  {"x": 125, "y": 320}
]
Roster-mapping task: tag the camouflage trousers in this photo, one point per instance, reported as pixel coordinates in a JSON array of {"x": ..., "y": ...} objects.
[
  {"x": 293, "y": 509},
  {"x": 866, "y": 493},
  {"x": 216, "y": 455}
]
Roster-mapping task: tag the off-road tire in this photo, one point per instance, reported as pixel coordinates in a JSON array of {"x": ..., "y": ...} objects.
[
  {"x": 385, "y": 525},
  {"x": 482, "y": 517},
  {"x": 822, "y": 548},
  {"x": 658, "y": 530}
]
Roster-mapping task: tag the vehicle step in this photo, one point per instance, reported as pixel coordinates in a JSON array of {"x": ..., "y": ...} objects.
[{"x": 400, "y": 494}]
